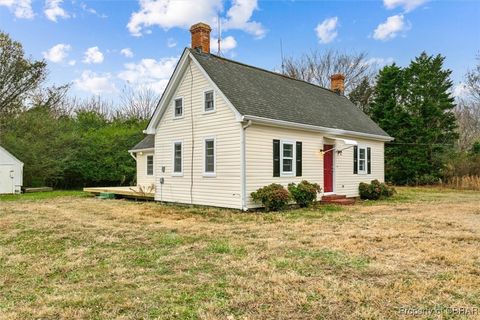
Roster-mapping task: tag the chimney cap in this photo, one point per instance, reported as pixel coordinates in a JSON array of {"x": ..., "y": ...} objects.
[{"x": 200, "y": 25}]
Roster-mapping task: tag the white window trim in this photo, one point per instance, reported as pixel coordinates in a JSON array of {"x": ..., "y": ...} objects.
[
  {"x": 177, "y": 174},
  {"x": 214, "y": 102},
  {"x": 366, "y": 159},
  {"x": 214, "y": 173},
  {"x": 294, "y": 162},
  {"x": 183, "y": 108},
  {"x": 153, "y": 165}
]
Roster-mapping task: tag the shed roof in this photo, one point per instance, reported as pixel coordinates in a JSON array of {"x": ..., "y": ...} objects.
[{"x": 147, "y": 143}]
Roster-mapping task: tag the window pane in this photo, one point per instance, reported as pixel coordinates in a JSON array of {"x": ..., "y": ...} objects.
[
  {"x": 362, "y": 153},
  {"x": 149, "y": 165},
  {"x": 288, "y": 150},
  {"x": 209, "y": 101},
  {"x": 178, "y": 158},
  {"x": 178, "y": 107},
  {"x": 361, "y": 165},
  {"x": 209, "y": 156},
  {"x": 287, "y": 165}
]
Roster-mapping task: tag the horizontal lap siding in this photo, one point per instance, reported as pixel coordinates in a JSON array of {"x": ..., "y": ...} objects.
[
  {"x": 223, "y": 190},
  {"x": 259, "y": 160},
  {"x": 346, "y": 182},
  {"x": 143, "y": 179},
  {"x": 259, "y": 157}
]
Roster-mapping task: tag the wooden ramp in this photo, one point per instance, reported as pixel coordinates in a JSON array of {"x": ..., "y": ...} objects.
[{"x": 123, "y": 192}]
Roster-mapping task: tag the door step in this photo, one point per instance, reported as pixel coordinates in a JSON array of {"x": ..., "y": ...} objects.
[{"x": 337, "y": 199}]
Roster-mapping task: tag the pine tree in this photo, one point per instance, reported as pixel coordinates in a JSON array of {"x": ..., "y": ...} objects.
[{"x": 414, "y": 105}]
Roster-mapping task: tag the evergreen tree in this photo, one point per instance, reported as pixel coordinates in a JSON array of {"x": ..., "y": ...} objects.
[
  {"x": 414, "y": 105},
  {"x": 362, "y": 95}
]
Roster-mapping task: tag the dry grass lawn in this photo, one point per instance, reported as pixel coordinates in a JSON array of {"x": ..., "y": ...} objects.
[{"x": 72, "y": 257}]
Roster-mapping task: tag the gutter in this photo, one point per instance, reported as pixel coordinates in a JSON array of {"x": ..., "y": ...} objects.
[
  {"x": 243, "y": 159},
  {"x": 309, "y": 127}
]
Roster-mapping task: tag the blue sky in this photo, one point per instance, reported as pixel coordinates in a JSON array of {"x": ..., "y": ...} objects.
[{"x": 103, "y": 46}]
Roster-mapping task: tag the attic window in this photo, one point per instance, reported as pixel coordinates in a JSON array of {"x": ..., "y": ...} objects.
[
  {"x": 209, "y": 101},
  {"x": 178, "y": 108}
]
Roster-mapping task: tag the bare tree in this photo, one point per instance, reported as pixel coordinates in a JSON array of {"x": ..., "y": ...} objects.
[
  {"x": 317, "y": 67},
  {"x": 467, "y": 111},
  {"x": 138, "y": 103}
]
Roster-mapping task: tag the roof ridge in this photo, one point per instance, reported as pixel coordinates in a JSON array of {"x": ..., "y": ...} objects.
[{"x": 265, "y": 70}]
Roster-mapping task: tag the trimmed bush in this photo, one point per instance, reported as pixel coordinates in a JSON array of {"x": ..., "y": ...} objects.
[
  {"x": 274, "y": 197},
  {"x": 305, "y": 193},
  {"x": 375, "y": 190}
]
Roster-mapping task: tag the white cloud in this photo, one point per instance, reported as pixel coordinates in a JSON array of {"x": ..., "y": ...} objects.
[
  {"x": 57, "y": 53},
  {"x": 150, "y": 73},
  {"x": 92, "y": 11},
  {"x": 21, "y": 8},
  {"x": 53, "y": 10},
  {"x": 94, "y": 83},
  {"x": 171, "y": 43},
  {"x": 93, "y": 55},
  {"x": 390, "y": 28},
  {"x": 327, "y": 30},
  {"x": 127, "y": 52},
  {"x": 72, "y": 63},
  {"x": 238, "y": 17},
  {"x": 408, "y": 5},
  {"x": 227, "y": 44},
  {"x": 169, "y": 14}
]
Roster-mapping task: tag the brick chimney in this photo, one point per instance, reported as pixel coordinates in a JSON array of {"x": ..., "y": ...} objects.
[
  {"x": 201, "y": 36},
  {"x": 337, "y": 83}
]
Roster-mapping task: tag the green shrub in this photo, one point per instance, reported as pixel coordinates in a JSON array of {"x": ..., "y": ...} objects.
[
  {"x": 274, "y": 197},
  {"x": 375, "y": 190},
  {"x": 305, "y": 193},
  {"x": 427, "y": 180}
]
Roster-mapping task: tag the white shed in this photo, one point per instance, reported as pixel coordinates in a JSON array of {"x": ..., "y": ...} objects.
[{"x": 11, "y": 173}]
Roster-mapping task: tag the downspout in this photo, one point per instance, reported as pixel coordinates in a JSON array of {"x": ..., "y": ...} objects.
[
  {"x": 131, "y": 153},
  {"x": 244, "y": 163}
]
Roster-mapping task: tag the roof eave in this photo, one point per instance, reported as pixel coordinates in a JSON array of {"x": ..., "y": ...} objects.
[{"x": 301, "y": 126}]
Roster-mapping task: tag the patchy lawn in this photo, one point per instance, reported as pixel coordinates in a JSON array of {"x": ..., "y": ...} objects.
[{"x": 75, "y": 257}]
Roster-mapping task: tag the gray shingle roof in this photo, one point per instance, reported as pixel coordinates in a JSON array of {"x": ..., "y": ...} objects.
[
  {"x": 261, "y": 93},
  {"x": 147, "y": 143}
]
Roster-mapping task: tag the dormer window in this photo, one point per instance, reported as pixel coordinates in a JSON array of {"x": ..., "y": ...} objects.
[
  {"x": 209, "y": 101},
  {"x": 178, "y": 112}
]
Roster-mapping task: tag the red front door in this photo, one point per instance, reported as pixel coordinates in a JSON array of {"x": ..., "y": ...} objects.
[{"x": 328, "y": 168}]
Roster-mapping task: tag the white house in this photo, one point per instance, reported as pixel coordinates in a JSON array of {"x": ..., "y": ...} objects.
[
  {"x": 223, "y": 129},
  {"x": 11, "y": 173}
]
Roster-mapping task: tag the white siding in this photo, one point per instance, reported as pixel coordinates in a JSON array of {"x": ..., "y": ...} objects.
[
  {"x": 259, "y": 160},
  {"x": 345, "y": 181},
  {"x": 144, "y": 180},
  {"x": 9, "y": 166},
  {"x": 223, "y": 190}
]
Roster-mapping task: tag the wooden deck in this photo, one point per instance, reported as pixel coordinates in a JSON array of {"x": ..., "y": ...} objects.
[{"x": 123, "y": 192}]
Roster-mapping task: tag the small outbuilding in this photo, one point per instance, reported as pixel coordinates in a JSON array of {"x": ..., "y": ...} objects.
[{"x": 11, "y": 173}]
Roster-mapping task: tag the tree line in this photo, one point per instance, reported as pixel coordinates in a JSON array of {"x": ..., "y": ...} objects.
[
  {"x": 67, "y": 142},
  {"x": 437, "y": 137}
]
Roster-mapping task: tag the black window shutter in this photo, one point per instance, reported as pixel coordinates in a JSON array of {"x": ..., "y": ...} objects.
[
  {"x": 369, "y": 162},
  {"x": 276, "y": 158},
  {"x": 355, "y": 160},
  {"x": 299, "y": 158}
]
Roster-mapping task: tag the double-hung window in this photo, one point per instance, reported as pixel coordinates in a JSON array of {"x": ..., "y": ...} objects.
[
  {"x": 287, "y": 158},
  {"x": 209, "y": 157},
  {"x": 362, "y": 160},
  {"x": 178, "y": 108},
  {"x": 209, "y": 101},
  {"x": 149, "y": 165},
  {"x": 177, "y": 158}
]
